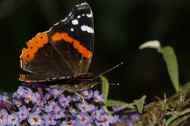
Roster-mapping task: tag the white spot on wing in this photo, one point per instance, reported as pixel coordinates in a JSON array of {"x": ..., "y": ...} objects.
[
  {"x": 78, "y": 16},
  {"x": 90, "y": 15},
  {"x": 87, "y": 29},
  {"x": 75, "y": 22},
  {"x": 72, "y": 29}
]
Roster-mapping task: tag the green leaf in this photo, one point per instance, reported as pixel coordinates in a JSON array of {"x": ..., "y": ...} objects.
[
  {"x": 124, "y": 105},
  {"x": 140, "y": 104},
  {"x": 170, "y": 59},
  {"x": 186, "y": 87},
  {"x": 172, "y": 65},
  {"x": 105, "y": 88}
]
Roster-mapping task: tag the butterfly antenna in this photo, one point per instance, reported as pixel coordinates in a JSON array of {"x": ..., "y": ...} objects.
[{"x": 109, "y": 70}]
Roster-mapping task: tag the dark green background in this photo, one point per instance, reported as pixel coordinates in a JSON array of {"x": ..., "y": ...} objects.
[{"x": 120, "y": 26}]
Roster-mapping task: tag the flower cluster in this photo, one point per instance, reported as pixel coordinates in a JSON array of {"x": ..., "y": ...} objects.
[{"x": 53, "y": 107}]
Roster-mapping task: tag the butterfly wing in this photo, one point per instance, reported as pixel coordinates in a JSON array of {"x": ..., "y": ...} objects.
[
  {"x": 73, "y": 38},
  {"x": 63, "y": 51}
]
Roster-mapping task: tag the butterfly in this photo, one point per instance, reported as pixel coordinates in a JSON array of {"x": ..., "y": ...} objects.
[{"x": 61, "y": 56}]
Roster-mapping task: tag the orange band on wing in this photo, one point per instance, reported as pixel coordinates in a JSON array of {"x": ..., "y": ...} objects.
[
  {"x": 33, "y": 46},
  {"x": 76, "y": 44},
  {"x": 22, "y": 78}
]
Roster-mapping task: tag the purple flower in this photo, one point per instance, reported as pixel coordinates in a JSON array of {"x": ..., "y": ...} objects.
[
  {"x": 37, "y": 98},
  {"x": 3, "y": 117},
  {"x": 97, "y": 97},
  {"x": 34, "y": 98},
  {"x": 56, "y": 92},
  {"x": 87, "y": 94},
  {"x": 42, "y": 104},
  {"x": 129, "y": 119},
  {"x": 135, "y": 116},
  {"x": 36, "y": 108},
  {"x": 22, "y": 92},
  {"x": 49, "y": 120},
  {"x": 113, "y": 118},
  {"x": 105, "y": 120},
  {"x": 85, "y": 107},
  {"x": 97, "y": 113},
  {"x": 69, "y": 123},
  {"x": 51, "y": 107},
  {"x": 63, "y": 101},
  {"x": 59, "y": 113},
  {"x": 17, "y": 102},
  {"x": 13, "y": 120},
  {"x": 55, "y": 108},
  {"x": 23, "y": 113},
  {"x": 35, "y": 119},
  {"x": 83, "y": 119},
  {"x": 29, "y": 97},
  {"x": 46, "y": 97}
]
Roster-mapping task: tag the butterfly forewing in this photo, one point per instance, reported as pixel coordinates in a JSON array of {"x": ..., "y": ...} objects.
[{"x": 64, "y": 51}]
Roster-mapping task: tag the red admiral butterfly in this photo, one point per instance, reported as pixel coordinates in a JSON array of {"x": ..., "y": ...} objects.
[{"x": 62, "y": 55}]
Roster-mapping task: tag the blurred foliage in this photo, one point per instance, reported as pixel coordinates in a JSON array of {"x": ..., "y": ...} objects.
[{"x": 169, "y": 111}]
